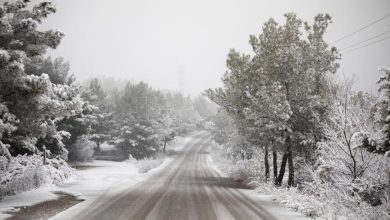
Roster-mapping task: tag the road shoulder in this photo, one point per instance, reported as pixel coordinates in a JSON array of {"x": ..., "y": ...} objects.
[{"x": 266, "y": 201}]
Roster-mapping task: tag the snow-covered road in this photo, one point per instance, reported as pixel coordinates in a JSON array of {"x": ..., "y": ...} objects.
[{"x": 186, "y": 187}]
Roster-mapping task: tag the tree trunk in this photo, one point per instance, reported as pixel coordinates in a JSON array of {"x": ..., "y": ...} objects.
[
  {"x": 165, "y": 145},
  {"x": 98, "y": 146},
  {"x": 282, "y": 169},
  {"x": 275, "y": 166},
  {"x": 266, "y": 163},
  {"x": 290, "y": 180}
]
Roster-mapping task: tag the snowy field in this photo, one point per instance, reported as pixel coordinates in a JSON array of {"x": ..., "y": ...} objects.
[{"x": 91, "y": 180}]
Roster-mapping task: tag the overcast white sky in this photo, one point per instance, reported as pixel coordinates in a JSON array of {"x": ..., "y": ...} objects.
[{"x": 172, "y": 41}]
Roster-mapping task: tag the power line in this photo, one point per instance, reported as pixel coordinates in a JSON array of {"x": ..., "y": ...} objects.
[
  {"x": 360, "y": 29},
  {"x": 358, "y": 43},
  {"x": 366, "y": 45}
]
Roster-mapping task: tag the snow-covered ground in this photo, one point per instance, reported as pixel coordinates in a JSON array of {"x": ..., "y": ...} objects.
[
  {"x": 25, "y": 199},
  {"x": 106, "y": 147},
  {"x": 92, "y": 180},
  {"x": 105, "y": 178},
  {"x": 267, "y": 201}
]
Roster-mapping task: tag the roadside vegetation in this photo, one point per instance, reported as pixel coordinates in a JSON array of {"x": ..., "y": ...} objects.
[
  {"x": 289, "y": 126},
  {"x": 48, "y": 118}
]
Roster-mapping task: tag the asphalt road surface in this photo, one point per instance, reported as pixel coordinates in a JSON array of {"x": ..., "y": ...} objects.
[{"x": 187, "y": 188}]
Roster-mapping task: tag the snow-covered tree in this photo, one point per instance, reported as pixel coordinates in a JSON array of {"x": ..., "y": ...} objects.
[
  {"x": 344, "y": 166},
  {"x": 350, "y": 124},
  {"x": 167, "y": 130},
  {"x": 139, "y": 140},
  {"x": 78, "y": 125},
  {"x": 181, "y": 110},
  {"x": 33, "y": 99},
  {"x": 139, "y": 113},
  {"x": 269, "y": 111},
  {"x": 100, "y": 114},
  {"x": 279, "y": 94},
  {"x": 82, "y": 149},
  {"x": 57, "y": 69},
  {"x": 96, "y": 92},
  {"x": 8, "y": 123},
  {"x": 222, "y": 123},
  {"x": 204, "y": 107},
  {"x": 299, "y": 66},
  {"x": 383, "y": 112}
]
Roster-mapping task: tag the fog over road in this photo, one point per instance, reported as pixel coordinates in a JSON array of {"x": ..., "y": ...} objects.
[{"x": 187, "y": 188}]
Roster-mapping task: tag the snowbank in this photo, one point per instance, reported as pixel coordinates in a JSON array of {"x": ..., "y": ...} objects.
[
  {"x": 91, "y": 180},
  {"x": 24, "y": 173}
]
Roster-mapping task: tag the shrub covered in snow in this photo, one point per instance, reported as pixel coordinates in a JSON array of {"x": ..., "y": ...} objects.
[
  {"x": 24, "y": 173},
  {"x": 82, "y": 149},
  {"x": 146, "y": 164},
  {"x": 185, "y": 127},
  {"x": 317, "y": 196},
  {"x": 324, "y": 201},
  {"x": 246, "y": 166}
]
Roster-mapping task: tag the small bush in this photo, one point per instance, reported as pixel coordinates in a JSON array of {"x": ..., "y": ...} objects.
[
  {"x": 24, "y": 173},
  {"x": 82, "y": 150},
  {"x": 146, "y": 164},
  {"x": 185, "y": 128},
  {"x": 232, "y": 163}
]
